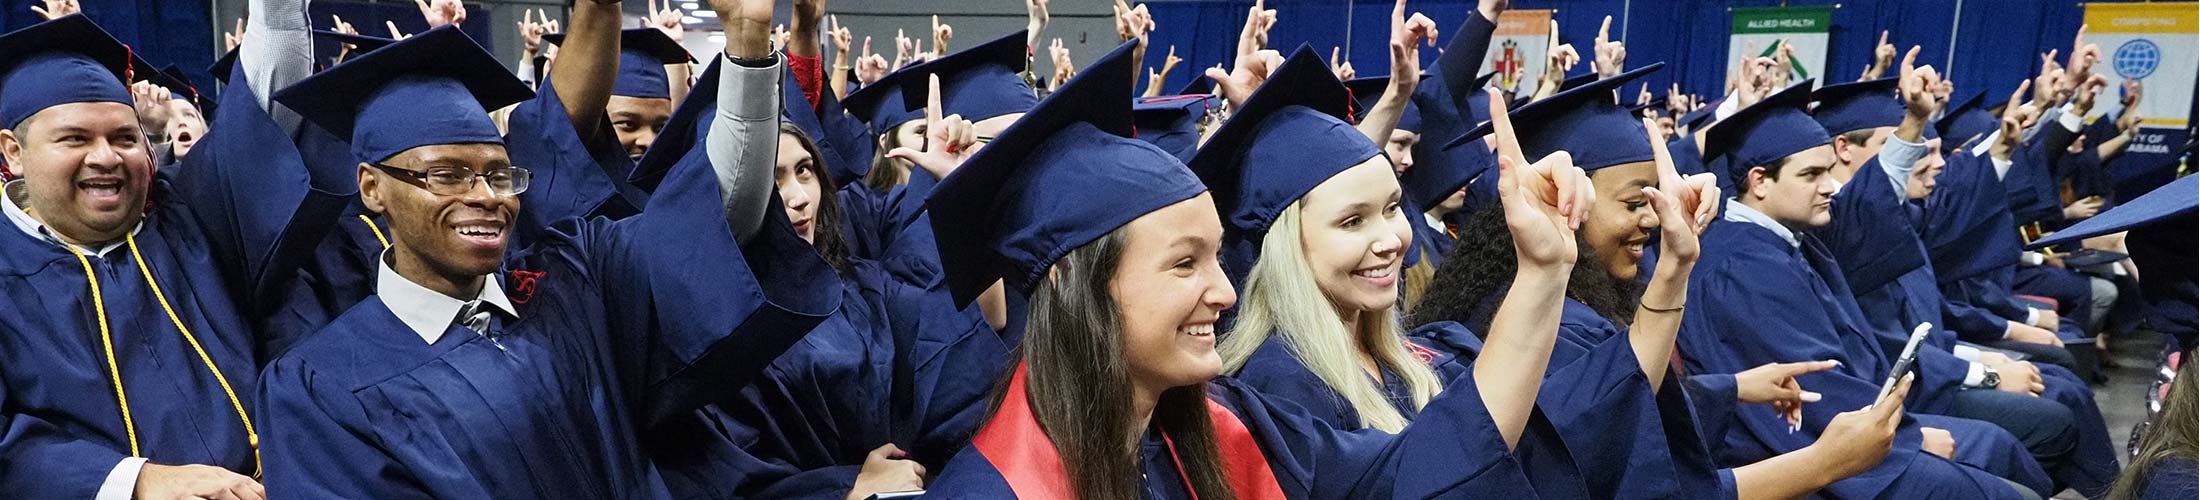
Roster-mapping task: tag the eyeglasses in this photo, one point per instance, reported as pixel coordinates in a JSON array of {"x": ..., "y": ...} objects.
[{"x": 452, "y": 181}]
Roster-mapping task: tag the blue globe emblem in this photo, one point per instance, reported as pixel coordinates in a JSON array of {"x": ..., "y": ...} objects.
[{"x": 2137, "y": 58}]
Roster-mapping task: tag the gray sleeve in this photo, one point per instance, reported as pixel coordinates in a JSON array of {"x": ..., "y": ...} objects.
[
  {"x": 277, "y": 51},
  {"x": 1897, "y": 158},
  {"x": 743, "y": 144}
]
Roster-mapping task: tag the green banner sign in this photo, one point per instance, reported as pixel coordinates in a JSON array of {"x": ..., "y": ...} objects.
[{"x": 1783, "y": 20}]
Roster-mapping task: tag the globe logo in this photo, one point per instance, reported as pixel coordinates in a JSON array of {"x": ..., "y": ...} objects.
[{"x": 2137, "y": 58}]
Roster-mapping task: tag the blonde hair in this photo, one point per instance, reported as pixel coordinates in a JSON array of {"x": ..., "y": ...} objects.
[{"x": 1281, "y": 296}]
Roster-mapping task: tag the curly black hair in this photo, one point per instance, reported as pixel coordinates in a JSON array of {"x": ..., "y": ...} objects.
[{"x": 1471, "y": 283}]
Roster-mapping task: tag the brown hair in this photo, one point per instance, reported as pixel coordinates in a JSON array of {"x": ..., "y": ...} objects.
[
  {"x": 2170, "y": 436},
  {"x": 885, "y": 172},
  {"x": 1079, "y": 385},
  {"x": 826, "y": 230}
]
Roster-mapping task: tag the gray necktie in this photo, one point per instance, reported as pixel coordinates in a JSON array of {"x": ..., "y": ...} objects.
[{"x": 475, "y": 316}]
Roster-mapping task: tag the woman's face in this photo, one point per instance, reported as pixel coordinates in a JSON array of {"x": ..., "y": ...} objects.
[
  {"x": 1355, "y": 236},
  {"x": 1621, "y": 219},
  {"x": 796, "y": 175},
  {"x": 909, "y": 134},
  {"x": 1169, "y": 289}
]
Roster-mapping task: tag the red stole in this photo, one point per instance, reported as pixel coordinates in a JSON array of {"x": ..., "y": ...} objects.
[{"x": 1013, "y": 443}]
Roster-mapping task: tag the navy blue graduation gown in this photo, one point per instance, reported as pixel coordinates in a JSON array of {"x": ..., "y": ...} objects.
[
  {"x": 1971, "y": 239},
  {"x": 1871, "y": 239},
  {"x": 817, "y": 411},
  {"x": 622, "y": 325},
  {"x": 573, "y": 175},
  {"x": 1760, "y": 300},
  {"x": 218, "y": 243},
  {"x": 1452, "y": 451}
]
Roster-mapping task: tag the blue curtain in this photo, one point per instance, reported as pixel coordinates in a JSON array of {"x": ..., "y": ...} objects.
[
  {"x": 1997, "y": 41},
  {"x": 161, "y": 31}
]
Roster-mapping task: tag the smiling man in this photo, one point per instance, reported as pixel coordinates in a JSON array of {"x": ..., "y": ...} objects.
[
  {"x": 127, "y": 347},
  {"x": 473, "y": 374}
]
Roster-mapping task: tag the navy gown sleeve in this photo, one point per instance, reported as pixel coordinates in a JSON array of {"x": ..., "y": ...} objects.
[
  {"x": 716, "y": 311},
  {"x": 260, "y": 205},
  {"x": 1597, "y": 398},
  {"x": 1715, "y": 397},
  {"x": 573, "y": 176},
  {"x": 1452, "y": 451},
  {"x": 44, "y": 461},
  {"x": 1761, "y": 308}
]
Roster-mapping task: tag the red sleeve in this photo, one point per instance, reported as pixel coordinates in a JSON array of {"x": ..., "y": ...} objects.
[{"x": 808, "y": 75}]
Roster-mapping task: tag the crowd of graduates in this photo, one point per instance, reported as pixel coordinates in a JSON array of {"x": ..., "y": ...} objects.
[{"x": 621, "y": 272}]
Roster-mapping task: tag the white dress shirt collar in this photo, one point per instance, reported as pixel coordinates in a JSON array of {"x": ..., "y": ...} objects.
[{"x": 428, "y": 312}]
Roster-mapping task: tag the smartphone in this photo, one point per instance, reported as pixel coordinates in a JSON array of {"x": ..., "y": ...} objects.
[
  {"x": 896, "y": 495},
  {"x": 1908, "y": 360}
]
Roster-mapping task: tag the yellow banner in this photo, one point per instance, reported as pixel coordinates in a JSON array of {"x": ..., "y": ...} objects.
[
  {"x": 2105, "y": 17},
  {"x": 1523, "y": 22}
]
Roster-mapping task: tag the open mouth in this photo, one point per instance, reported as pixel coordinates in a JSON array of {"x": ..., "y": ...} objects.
[
  {"x": 104, "y": 192},
  {"x": 1198, "y": 330},
  {"x": 184, "y": 138},
  {"x": 484, "y": 235}
]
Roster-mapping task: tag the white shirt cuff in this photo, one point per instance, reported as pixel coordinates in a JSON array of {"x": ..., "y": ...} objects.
[
  {"x": 121, "y": 483},
  {"x": 2031, "y": 259},
  {"x": 1976, "y": 376},
  {"x": 1966, "y": 353},
  {"x": 2070, "y": 118},
  {"x": 2031, "y": 316}
]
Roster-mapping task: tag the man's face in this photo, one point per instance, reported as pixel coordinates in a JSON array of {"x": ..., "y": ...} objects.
[
  {"x": 1927, "y": 174},
  {"x": 1852, "y": 153},
  {"x": 637, "y": 121},
  {"x": 1801, "y": 197},
  {"x": 455, "y": 236},
  {"x": 86, "y": 166},
  {"x": 1400, "y": 149}
]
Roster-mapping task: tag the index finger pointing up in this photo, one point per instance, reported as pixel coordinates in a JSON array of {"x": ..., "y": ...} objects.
[
  {"x": 932, "y": 105},
  {"x": 1501, "y": 128}
]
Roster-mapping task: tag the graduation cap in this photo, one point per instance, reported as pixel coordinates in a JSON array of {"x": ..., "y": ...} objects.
[
  {"x": 1367, "y": 91},
  {"x": 981, "y": 82},
  {"x": 1849, "y": 107},
  {"x": 879, "y": 104},
  {"x": 1765, "y": 132},
  {"x": 223, "y": 65},
  {"x": 179, "y": 86},
  {"x": 643, "y": 54},
  {"x": 1655, "y": 103},
  {"x": 1966, "y": 120},
  {"x": 1582, "y": 121},
  {"x": 1291, "y": 135},
  {"x": 62, "y": 61},
  {"x": 1059, "y": 178},
  {"x": 433, "y": 88},
  {"x": 1576, "y": 81},
  {"x": 1200, "y": 85},
  {"x": 1172, "y": 123},
  {"x": 359, "y": 43},
  {"x": 1695, "y": 119},
  {"x": 2171, "y": 200}
]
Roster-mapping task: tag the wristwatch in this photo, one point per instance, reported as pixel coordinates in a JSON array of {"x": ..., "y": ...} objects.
[{"x": 1993, "y": 378}]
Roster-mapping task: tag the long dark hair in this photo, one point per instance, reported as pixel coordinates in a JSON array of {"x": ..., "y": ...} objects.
[
  {"x": 1079, "y": 385},
  {"x": 826, "y": 233},
  {"x": 1474, "y": 277}
]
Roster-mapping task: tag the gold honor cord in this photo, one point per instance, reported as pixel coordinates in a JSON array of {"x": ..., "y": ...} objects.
[
  {"x": 106, "y": 339},
  {"x": 107, "y": 342},
  {"x": 377, "y": 230}
]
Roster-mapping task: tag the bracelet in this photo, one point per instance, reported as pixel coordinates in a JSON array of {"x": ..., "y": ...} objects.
[{"x": 1674, "y": 309}]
